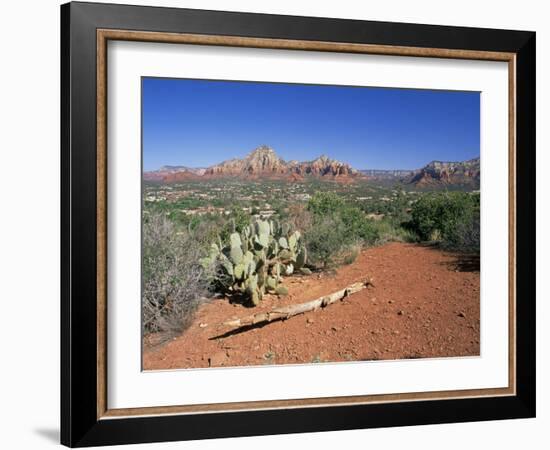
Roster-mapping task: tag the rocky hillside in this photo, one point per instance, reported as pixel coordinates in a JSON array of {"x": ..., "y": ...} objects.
[
  {"x": 322, "y": 166},
  {"x": 170, "y": 174},
  {"x": 434, "y": 174},
  {"x": 263, "y": 162},
  {"x": 439, "y": 172}
]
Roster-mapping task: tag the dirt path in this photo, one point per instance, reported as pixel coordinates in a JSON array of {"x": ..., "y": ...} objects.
[{"x": 425, "y": 303}]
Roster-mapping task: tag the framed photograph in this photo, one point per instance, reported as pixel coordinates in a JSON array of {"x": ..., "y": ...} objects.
[{"x": 277, "y": 224}]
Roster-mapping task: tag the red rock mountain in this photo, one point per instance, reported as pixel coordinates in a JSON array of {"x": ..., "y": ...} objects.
[
  {"x": 438, "y": 172},
  {"x": 174, "y": 174},
  {"x": 262, "y": 162}
]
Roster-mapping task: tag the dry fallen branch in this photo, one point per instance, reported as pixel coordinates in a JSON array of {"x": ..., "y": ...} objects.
[{"x": 286, "y": 312}]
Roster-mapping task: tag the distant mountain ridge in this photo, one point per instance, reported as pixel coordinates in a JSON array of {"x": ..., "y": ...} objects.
[
  {"x": 264, "y": 163},
  {"x": 171, "y": 174},
  {"x": 447, "y": 172},
  {"x": 199, "y": 170},
  {"x": 386, "y": 173},
  {"x": 432, "y": 174}
]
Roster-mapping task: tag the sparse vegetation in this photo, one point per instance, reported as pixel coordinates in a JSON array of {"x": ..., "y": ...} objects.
[
  {"x": 451, "y": 218},
  {"x": 174, "y": 283},
  {"x": 338, "y": 230},
  {"x": 246, "y": 235},
  {"x": 393, "y": 231},
  {"x": 255, "y": 260},
  {"x": 325, "y": 241}
]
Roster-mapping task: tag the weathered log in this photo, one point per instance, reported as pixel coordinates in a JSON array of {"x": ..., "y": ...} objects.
[{"x": 286, "y": 312}]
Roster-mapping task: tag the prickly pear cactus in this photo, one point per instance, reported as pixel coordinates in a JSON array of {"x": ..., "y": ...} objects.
[{"x": 254, "y": 261}]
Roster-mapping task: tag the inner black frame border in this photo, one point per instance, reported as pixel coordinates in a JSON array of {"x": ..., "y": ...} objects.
[{"x": 79, "y": 423}]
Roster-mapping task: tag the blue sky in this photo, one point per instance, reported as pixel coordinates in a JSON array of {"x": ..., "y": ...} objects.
[{"x": 198, "y": 123}]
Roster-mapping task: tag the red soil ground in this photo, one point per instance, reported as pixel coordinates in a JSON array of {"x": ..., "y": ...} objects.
[{"x": 424, "y": 303}]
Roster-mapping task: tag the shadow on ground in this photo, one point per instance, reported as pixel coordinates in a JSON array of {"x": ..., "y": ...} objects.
[
  {"x": 462, "y": 262},
  {"x": 49, "y": 434},
  {"x": 465, "y": 263},
  {"x": 239, "y": 330}
]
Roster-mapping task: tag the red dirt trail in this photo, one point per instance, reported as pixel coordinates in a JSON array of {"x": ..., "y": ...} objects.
[{"x": 424, "y": 303}]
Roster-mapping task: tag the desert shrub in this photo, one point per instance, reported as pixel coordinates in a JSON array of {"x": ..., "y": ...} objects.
[
  {"x": 207, "y": 230},
  {"x": 174, "y": 283},
  {"x": 449, "y": 217},
  {"x": 299, "y": 217},
  {"x": 338, "y": 230},
  {"x": 465, "y": 236},
  {"x": 325, "y": 203},
  {"x": 328, "y": 243},
  {"x": 392, "y": 231},
  {"x": 395, "y": 206},
  {"x": 356, "y": 225},
  {"x": 350, "y": 253}
]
